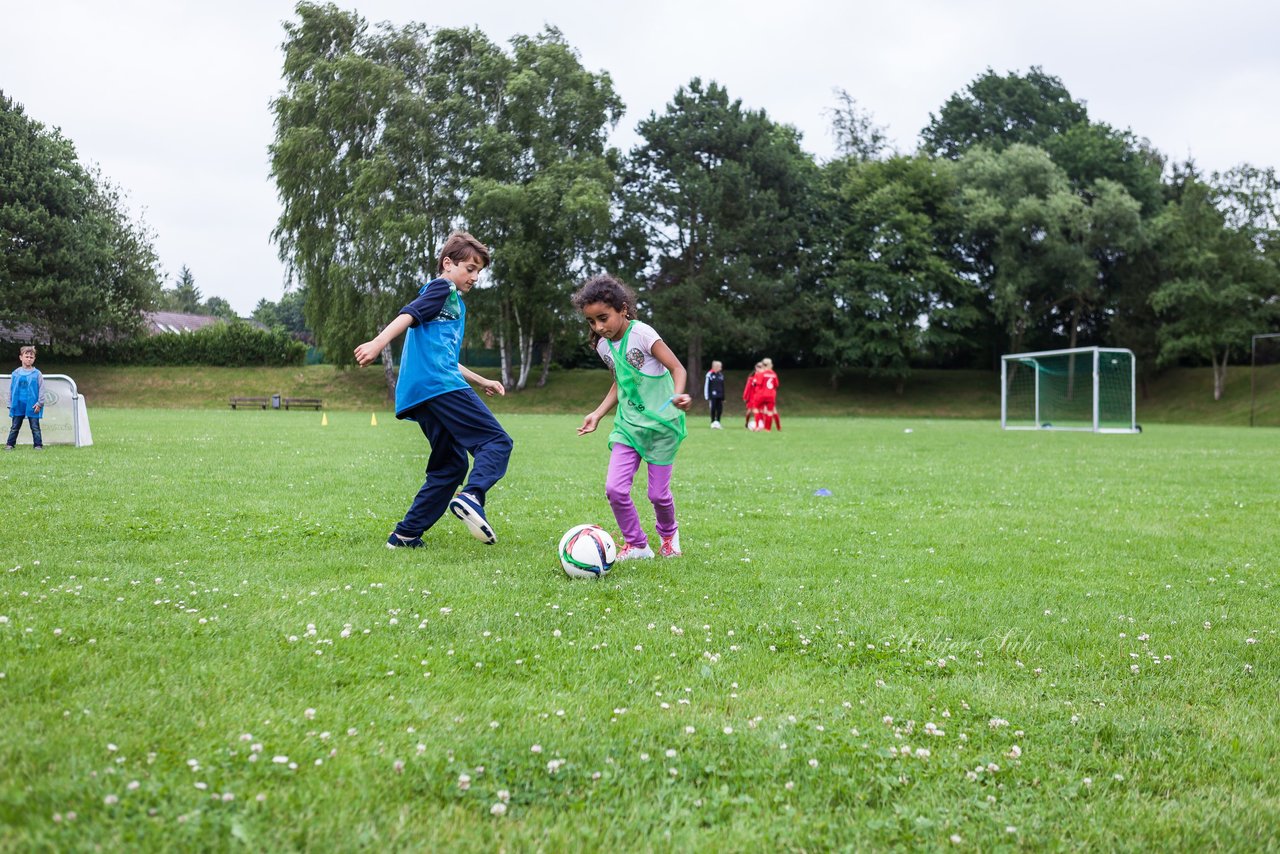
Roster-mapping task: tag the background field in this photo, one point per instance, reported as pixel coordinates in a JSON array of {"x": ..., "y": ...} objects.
[
  {"x": 1016, "y": 640},
  {"x": 1181, "y": 395}
]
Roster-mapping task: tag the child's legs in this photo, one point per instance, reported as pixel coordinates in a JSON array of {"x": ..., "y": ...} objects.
[
  {"x": 766, "y": 412},
  {"x": 624, "y": 461},
  {"x": 35, "y": 432},
  {"x": 717, "y": 408},
  {"x": 446, "y": 468},
  {"x": 474, "y": 428},
  {"x": 664, "y": 506},
  {"x": 13, "y": 431}
]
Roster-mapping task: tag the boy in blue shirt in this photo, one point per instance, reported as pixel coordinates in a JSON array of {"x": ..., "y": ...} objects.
[
  {"x": 26, "y": 398},
  {"x": 432, "y": 390}
]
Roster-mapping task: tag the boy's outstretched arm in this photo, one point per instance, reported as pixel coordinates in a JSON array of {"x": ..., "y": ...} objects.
[
  {"x": 491, "y": 387},
  {"x": 369, "y": 351}
]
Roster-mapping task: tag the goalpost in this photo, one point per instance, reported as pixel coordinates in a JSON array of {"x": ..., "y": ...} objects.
[
  {"x": 1086, "y": 388},
  {"x": 1264, "y": 380},
  {"x": 64, "y": 419}
]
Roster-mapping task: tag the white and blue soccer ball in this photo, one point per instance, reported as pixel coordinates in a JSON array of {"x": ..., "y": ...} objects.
[{"x": 587, "y": 551}]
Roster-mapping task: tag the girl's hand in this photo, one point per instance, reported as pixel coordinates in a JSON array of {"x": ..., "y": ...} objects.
[
  {"x": 492, "y": 387},
  {"x": 682, "y": 402},
  {"x": 589, "y": 424}
]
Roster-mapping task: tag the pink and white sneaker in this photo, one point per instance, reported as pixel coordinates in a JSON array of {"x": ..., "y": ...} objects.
[
  {"x": 671, "y": 546},
  {"x": 630, "y": 552}
]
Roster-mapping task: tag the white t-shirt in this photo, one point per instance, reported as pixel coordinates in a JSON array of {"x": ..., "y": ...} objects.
[{"x": 639, "y": 350}]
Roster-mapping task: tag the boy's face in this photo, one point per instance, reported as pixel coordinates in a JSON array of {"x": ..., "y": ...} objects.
[
  {"x": 463, "y": 274},
  {"x": 716, "y": 367},
  {"x": 27, "y": 359}
]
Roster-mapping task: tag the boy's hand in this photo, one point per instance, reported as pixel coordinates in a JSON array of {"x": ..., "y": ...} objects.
[
  {"x": 492, "y": 387},
  {"x": 37, "y": 407},
  {"x": 589, "y": 424},
  {"x": 367, "y": 353},
  {"x": 682, "y": 402}
]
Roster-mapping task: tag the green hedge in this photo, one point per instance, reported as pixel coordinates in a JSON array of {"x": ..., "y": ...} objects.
[{"x": 233, "y": 344}]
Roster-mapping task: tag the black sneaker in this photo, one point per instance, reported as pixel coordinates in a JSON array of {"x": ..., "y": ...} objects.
[
  {"x": 394, "y": 542},
  {"x": 466, "y": 508}
]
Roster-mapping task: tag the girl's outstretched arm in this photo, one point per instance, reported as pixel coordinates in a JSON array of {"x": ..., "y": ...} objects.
[{"x": 593, "y": 417}]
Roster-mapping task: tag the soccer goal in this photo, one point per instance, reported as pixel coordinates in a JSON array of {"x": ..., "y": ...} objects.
[
  {"x": 65, "y": 418},
  {"x": 1085, "y": 388},
  {"x": 1264, "y": 381}
]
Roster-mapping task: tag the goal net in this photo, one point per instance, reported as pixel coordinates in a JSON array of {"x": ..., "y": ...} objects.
[
  {"x": 1086, "y": 388},
  {"x": 1264, "y": 381},
  {"x": 64, "y": 420}
]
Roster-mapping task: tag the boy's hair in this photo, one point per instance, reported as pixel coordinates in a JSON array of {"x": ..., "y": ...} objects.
[
  {"x": 461, "y": 247},
  {"x": 715, "y": 362},
  {"x": 608, "y": 290},
  {"x": 768, "y": 364},
  {"x": 22, "y": 351}
]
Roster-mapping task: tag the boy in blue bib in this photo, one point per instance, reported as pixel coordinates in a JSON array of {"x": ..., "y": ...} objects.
[
  {"x": 26, "y": 399},
  {"x": 433, "y": 390}
]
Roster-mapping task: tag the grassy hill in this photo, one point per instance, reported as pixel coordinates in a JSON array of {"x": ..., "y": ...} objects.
[{"x": 1182, "y": 395}]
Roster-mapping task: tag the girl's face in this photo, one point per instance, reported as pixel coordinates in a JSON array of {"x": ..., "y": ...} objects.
[{"x": 605, "y": 320}]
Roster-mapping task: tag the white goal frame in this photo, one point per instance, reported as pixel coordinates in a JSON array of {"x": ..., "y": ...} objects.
[
  {"x": 1095, "y": 355},
  {"x": 1253, "y": 372},
  {"x": 64, "y": 420}
]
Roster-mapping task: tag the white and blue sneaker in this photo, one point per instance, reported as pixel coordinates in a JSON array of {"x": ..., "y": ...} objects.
[
  {"x": 395, "y": 541},
  {"x": 466, "y": 508}
]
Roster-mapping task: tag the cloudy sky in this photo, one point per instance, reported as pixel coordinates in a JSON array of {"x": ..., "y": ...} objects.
[{"x": 171, "y": 98}]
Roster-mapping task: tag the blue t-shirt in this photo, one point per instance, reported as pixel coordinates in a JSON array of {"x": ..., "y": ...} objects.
[
  {"x": 429, "y": 362},
  {"x": 26, "y": 387}
]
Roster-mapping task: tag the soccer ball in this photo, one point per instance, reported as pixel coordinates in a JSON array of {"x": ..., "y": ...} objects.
[{"x": 587, "y": 551}]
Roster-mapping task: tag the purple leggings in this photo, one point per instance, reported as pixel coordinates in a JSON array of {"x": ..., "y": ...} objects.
[{"x": 624, "y": 462}]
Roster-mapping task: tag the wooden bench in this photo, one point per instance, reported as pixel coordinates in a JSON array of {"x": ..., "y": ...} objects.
[
  {"x": 248, "y": 402},
  {"x": 303, "y": 403}
]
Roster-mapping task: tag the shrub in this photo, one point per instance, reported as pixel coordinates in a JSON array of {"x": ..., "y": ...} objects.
[{"x": 232, "y": 344}]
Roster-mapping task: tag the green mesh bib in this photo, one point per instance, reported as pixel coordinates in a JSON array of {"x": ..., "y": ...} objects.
[{"x": 646, "y": 419}]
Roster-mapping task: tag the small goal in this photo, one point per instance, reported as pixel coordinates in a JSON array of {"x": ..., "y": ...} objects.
[
  {"x": 1264, "y": 381},
  {"x": 65, "y": 417},
  {"x": 1089, "y": 389}
]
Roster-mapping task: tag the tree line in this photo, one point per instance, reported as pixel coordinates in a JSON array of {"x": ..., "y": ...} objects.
[{"x": 1018, "y": 223}]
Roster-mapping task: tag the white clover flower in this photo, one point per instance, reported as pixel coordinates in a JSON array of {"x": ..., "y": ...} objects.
[{"x": 498, "y": 809}]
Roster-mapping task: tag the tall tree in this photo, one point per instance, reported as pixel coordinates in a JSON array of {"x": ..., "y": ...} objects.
[
  {"x": 75, "y": 266},
  {"x": 1045, "y": 248},
  {"x": 897, "y": 281},
  {"x": 998, "y": 111},
  {"x": 856, "y": 134},
  {"x": 723, "y": 197},
  {"x": 546, "y": 204},
  {"x": 185, "y": 295},
  {"x": 1219, "y": 288},
  {"x": 376, "y": 135}
]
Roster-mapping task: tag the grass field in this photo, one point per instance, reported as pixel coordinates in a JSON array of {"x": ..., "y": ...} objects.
[
  {"x": 1180, "y": 395},
  {"x": 979, "y": 641}
]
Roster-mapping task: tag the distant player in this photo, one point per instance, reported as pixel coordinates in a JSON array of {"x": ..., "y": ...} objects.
[
  {"x": 648, "y": 389},
  {"x": 767, "y": 398},
  {"x": 433, "y": 391},
  {"x": 749, "y": 393},
  {"x": 26, "y": 398},
  {"x": 713, "y": 392}
]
